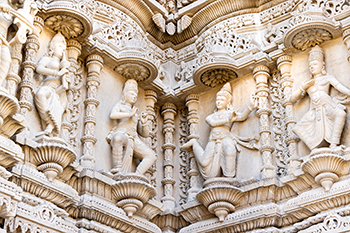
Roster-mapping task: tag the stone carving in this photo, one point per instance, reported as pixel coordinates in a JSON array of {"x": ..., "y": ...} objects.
[
  {"x": 326, "y": 117},
  {"x": 51, "y": 99},
  {"x": 184, "y": 161},
  {"x": 213, "y": 78},
  {"x": 124, "y": 138},
  {"x": 222, "y": 148},
  {"x": 68, "y": 26}
]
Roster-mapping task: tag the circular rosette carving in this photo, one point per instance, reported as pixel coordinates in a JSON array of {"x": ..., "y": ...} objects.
[
  {"x": 308, "y": 30},
  {"x": 51, "y": 156},
  {"x": 8, "y": 106},
  {"x": 62, "y": 16},
  {"x": 325, "y": 165},
  {"x": 219, "y": 197},
  {"x": 131, "y": 191},
  {"x": 69, "y": 27},
  {"x": 136, "y": 68},
  {"x": 214, "y": 75}
]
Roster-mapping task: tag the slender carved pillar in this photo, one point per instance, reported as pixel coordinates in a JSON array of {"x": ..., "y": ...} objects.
[
  {"x": 261, "y": 75},
  {"x": 12, "y": 77},
  {"x": 169, "y": 112},
  {"x": 31, "y": 47},
  {"x": 73, "y": 51},
  {"x": 284, "y": 64},
  {"x": 94, "y": 65},
  {"x": 192, "y": 104},
  {"x": 346, "y": 39},
  {"x": 151, "y": 99}
]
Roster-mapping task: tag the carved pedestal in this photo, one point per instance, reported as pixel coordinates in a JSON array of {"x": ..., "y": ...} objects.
[
  {"x": 219, "y": 196},
  {"x": 325, "y": 165},
  {"x": 132, "y": 191},
  {"x": 52, "y": 155}
]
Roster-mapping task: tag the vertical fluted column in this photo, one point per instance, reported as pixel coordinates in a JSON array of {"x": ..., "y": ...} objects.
[
  {"x": 192, "y": 103},
  {"x": 151, "y": 99},
  {"x": 284, "y": 64},
  {"x": 346, "y": 39},
  {"x": 261, "y": 75},
  {"x": 94, "y": 65},
  {"x": 168, "y": 113},
  {"x": 73, "y": 52},
  {"x": 31, "y": 48}
]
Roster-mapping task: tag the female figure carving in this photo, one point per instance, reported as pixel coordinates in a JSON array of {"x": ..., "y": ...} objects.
[
  {"x": 51, "y": 99},
  {"x": 221, "y": 150},
  {"x": 326, "y": 117},
  {"x": 124, "y": 137}
]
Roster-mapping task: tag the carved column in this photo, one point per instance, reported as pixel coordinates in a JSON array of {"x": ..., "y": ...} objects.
[
  {"x": 31, "y": 47},
  {"x": 151, "y": 99},
  {"x": 192, "y": 104},
  {"x": 261, "y": 75},
  {"x": 346, "y": 39},
  {"x": 94, "y": 65},
  {"x": 168, "y": 113},
  {"x": 284, "y": 64},
  {"x": 12, "y": 77},
  {"x": 73, "y": 51}
]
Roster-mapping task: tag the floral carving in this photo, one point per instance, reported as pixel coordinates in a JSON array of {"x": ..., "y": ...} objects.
[
  {"x": 213, "y": 78},
  {"x": 310, "y": 38},
  {"x": 133, "y": 71},
  {"x": 67, "y": 25}
]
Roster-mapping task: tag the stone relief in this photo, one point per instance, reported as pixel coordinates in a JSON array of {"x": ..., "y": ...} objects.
[
  {"x": 124, "y": 137},
  {"x": 326, "y": 116},
  {"x": 221, "y": 151},
  {"x": 50, "y": 98}
]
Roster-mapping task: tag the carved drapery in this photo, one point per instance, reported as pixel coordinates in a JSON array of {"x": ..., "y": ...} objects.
[
  {"x": 192, "y": 103},
  {"x": 261, "y": 75},
  {"x": 31, "y": 47},
  {"x": 94, "y": 65},
  {"x": 169, "y": 112}
]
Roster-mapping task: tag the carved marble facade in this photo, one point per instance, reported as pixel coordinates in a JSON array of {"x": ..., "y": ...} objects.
[{"x": 174, "y": 116}]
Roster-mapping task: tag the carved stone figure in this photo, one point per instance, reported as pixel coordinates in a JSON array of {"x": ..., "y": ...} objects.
[
  {"x": 124, "y": 137},
  {"x": 221, "y": 150},
  {"x": 326, "y": 117},
  {"x": 51, "y": 99}
]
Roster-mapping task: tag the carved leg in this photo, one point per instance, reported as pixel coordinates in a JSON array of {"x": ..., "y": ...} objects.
[
  {"x": 117, "y": 144},
  {"x": 145, "y": 154},
  {"x": 337, "y": 128},
  {"x": 229, "y": 162}
]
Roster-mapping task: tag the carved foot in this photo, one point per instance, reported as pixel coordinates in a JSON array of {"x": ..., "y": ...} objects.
[
  {"x": 188, "y": 145},
  {"x": 115, "y": 170},
  {"x": 48, "y": 130}
]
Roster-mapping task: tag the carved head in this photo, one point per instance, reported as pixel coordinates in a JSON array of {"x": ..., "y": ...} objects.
[
  {"x": 130, "y": 92},
  {"x": 224, "y": 97},
  {"x": 316, "y": 61},
  {"x": 57, "y": 46}
]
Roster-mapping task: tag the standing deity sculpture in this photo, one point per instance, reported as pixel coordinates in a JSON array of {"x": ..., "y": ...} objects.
[
  {"x": 51, "y": 99},
  {"x": 221, "y": 151},
  {"x": 124, "y": 139},
  {"x": 326, "y": 117}
]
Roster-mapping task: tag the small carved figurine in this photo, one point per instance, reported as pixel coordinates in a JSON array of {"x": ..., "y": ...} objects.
[
  {"x": 221, "y": 150},
  {"x": 326, "y": 117},
  {"x": 51, "y": 99},
  {"x": 124, "y": 137}
]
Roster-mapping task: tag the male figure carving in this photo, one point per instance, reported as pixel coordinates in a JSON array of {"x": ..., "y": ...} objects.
[
  {"x": 124, "y": 137},
  {"x": 326, "y": 117},
  {"x": 221, "y": 150}
]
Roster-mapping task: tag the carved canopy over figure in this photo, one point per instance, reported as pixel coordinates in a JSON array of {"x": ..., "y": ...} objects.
[
  {"x": 221, "y": 150},
  {"x": 124, "y": 137},
  {"x": 51, "y": 99},
  {"x": 326, "y": 117}
]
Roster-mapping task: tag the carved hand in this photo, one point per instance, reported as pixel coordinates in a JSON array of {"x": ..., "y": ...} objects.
[
  {"x": 233, "y": 116},
  {"x": 63, "y": 71},
  {"x": 307, "y": 84}
]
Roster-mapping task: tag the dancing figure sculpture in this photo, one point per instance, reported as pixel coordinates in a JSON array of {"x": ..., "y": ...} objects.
[
  {"x": 326, "y": 116},
  {"x": 221, "y": 150},
  {"x": 51, "y": 98},
  {"x": 124, "y": 139}
]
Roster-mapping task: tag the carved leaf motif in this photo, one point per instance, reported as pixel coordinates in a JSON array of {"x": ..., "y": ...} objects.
[
  {"x": 159, "y": 21},
  {"x": 183, "y": 23}
]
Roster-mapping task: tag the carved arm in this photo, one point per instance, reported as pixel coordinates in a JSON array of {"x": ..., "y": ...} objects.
[{"x": 338, "y": 86}]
